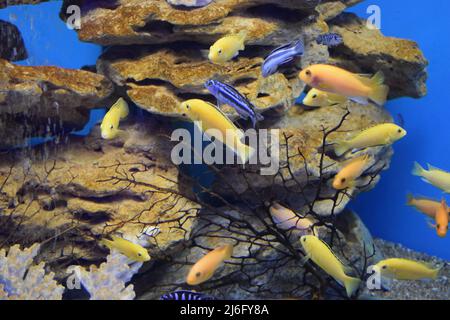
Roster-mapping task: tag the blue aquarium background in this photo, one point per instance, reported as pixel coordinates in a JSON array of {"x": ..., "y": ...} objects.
[{"x": 383, "y": 209}]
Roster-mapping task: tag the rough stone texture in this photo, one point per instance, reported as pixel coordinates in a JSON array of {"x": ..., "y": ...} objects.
[
  {"x": 368, "y": 51},
  {"x": 5, "y": 3},
  {"x": 36, "y": 101},
  {"x": 90, "y": 188},
  {"x": 13, "y": 47},
  {"x": 137, "y": 22},
  {"x": 305, "y": 129},
  {"x": 159, "y": 79}
]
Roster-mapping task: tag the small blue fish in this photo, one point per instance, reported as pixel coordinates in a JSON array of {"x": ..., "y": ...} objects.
[
  {"x": 185, "y": 295},
  {"x": 282, "y": 55},
  {"x": 329, "y": 39},
  {"x": 226, "y": 94}
]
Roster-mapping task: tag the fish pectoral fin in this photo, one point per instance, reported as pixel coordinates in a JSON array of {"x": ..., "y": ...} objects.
[
  {"x": 431, "y": 224},
  {"x": 305, "y": 259},
  {"x": 360, "y": 100}
]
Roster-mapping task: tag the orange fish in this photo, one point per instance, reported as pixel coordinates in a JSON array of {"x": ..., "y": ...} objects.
[
  {"x": 356, "y": 87},
  {"x": 424, "y": 205},
  {"x": 204, "y": 268},
  {"x": 352, "y": 170},
  {"x": 442, "y": 219}
]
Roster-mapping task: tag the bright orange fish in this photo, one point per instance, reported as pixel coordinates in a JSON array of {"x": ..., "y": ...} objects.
[
  {"x": 442, "y": 219},
  {"x": 204, "y": 268},
  {"x": 350, "y": 172},
  {"x": 424, "y": 205},
  {"x": 339, "y": 81}
]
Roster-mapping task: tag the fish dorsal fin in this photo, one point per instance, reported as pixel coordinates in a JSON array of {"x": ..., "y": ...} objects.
[
  {"x": 334, "y": 254},
  {"x": 364, "y": 157},
  {"x": 377, "y": 79},
  {"x": 240, "y": 133},
  {"x": 433, "y": 168}
]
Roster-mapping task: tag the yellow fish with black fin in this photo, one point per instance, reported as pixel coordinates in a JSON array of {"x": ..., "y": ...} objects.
[
  {"x": 216, "y": 124},
  {"x": 320, "y": 253},
  {"x": 129, "y": 249},
  {"x": 405, "y": 269},
  {"x": 379, "y": 135}
]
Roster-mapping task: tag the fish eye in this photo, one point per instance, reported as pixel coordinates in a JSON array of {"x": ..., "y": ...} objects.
[
  {"x": 384, "y": 267},
  {"x": 187, "y": 106},
  {"x": 183, "y": 114},
  {"x": 399, "y": 130},
  {"x": 304, "y": 239},
  {"x": 308, "y": 73},
  {"x": 198, "y": 274},
  {"x": 314, "y": 96},
  {"x": 112, "y": 127},
  {"x": 219, "y": 51},
  {"x": 438, "y": 226},
  {"x": 343, "y": 180},
  {"x": 139, "y": 254}
]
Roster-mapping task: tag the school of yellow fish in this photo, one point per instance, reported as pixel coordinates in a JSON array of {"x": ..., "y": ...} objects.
[{"x": 330, "y": 86}]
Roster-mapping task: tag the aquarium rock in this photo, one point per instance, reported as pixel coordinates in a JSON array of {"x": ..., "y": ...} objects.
[
  {"x": 108, "y": 281},
  {"x": 5, "y": 3},
  {"x": 46, "y": 101},
  {"x": 21, "y": 280},
  {"x": 122, "y": 186},
  {"x": 368, "y": 50},
  {"x": 13, "y": 47}
]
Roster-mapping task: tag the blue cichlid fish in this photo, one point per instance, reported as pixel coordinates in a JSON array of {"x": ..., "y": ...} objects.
[
  {"x": 329, "y": 39},
  {"x": 226, "y": 94},
  {"x": 282, "y": 55},
  {"x": 186, "y": 295}
]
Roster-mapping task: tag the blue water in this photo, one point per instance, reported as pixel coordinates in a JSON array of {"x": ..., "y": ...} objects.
[{"x": 49, "y": 42}]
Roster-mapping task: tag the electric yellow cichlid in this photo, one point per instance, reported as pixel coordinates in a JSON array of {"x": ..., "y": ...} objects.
[
  {"x": 351, "y": 171},
  {"x": 434, "y": 176},
  {"x": 319, "y": 98},
  {"x": 404, "y": 269},
  {"x": 379, "y": 135},
  {"x": 110, "y": 123},
  {"x": 127, "y": 248},
  {"x": 227, "y": 48},
  {"x": 320, "y": 253},
  {"x": 212, "y": 119}
]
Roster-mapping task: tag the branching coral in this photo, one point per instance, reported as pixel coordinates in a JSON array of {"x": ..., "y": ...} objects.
[
  {"x": 20, "y": 280},
  {"x": 107, "y": 282}
]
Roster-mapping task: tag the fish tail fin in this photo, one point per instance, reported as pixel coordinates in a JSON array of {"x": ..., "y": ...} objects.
[
  {"x": 380, "y": 91},
  {"x": 341, "y": 148},
  {"x": 107, "y": 243},
  {"x": 123, "y": 108},
  {"x": 418, "y": 170},
  {"x": 409, "y": 199},
  {"x": 436, "y": 272},
  {"x": 245, "y": 152},
  {"x": 243, "y": 35},
  {"x": 299, "y": 47},
  {"x": 351, "y": 285}
]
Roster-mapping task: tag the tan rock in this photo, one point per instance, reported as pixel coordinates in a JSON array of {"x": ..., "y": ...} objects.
[
  {"x": 89, "y": 189},
  {"x": 367, "y": 51}
]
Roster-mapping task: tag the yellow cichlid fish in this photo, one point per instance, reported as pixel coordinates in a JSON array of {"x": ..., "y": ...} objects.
[
  {"x": 434, "y": 176},
  {"x": 110, "y": 123},
  {"x": 379, "y": 135},
  {"x": 127, "y": 248},
  {"x": 320, "y": 253},
  {"x": 351, "y": 171},
  {"x": 319, "y": 98},
  {"x": 356, "y": 87},
  {"x": 227, "y": 48},
  {"x": 404, "y": 269},
  {"x": 286, "y": 219},
  {"x": 204, "y": 268},
  {"x": 214, "y": 119}
]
